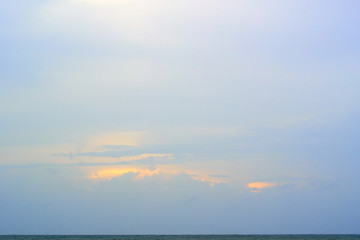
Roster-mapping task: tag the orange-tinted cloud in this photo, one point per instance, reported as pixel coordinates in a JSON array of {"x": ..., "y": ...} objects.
[
  {"x": 116, "y": 172},
  {"x": 141, "y": 172},
  {"x": 257, "y": 186}
]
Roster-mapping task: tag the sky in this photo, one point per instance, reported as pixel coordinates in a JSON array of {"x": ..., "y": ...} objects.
[{"x": 179, "y": 117}]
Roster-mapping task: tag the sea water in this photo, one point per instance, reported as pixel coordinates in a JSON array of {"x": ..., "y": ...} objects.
[{"x": 180, "y": 237}]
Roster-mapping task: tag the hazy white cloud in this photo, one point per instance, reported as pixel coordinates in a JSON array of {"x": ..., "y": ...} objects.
[{"x": 111, "y": 106}]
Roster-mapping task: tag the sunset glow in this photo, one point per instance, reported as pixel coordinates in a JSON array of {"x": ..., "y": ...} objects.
[
  {"x": 116, "y": 172},
  {"x": 261, "y": 185}
]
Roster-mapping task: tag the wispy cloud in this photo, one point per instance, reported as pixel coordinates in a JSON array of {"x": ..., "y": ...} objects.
[
  {"x": 117, "y": 172},
  {"x": 140, "y": 172},
  {"x": 219, "y": 176},
  {"x": 258, "y": 186},
  {"x": 140, "y": 159},
  {"x": 119, "y": 156}
]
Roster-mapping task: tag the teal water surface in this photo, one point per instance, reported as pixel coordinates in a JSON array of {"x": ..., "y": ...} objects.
[{"x": 181, "y": 237}]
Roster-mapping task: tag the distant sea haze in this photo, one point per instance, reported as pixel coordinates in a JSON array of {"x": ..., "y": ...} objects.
[{"x": 183, "y": 237}]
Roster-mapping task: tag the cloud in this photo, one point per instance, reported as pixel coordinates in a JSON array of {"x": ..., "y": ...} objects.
[
  {"x": 144, "y": 171},
  {"x": 122, "y": 138},
  {"x": 119, "y": 156},
  {"x": 219, "y": 176},
  {"x": 142, "y": 159},
  {"x": 116, "y": 172},
  {"x": 257, "y": 186}
]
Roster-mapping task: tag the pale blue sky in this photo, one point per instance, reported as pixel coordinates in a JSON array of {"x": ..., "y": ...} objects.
[{"x": 126, "y": 117}]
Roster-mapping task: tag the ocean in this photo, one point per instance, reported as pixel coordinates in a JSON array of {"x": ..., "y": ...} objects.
[{"x": 181, "y": 237}]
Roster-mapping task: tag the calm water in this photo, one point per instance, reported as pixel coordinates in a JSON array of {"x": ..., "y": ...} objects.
[{"x": 181, "y": 237}]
